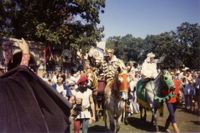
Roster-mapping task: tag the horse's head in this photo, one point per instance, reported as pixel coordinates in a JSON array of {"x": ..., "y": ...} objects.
[
  {"x": 123, "y": 82},
  {"x": 166, "y": 80}
]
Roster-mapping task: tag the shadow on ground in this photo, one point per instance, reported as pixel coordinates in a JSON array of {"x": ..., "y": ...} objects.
[
  {"x": 187, "y": 123},
  {"x": 189, "y": 111},
  {"x": 196, "y": 122},
  {"x": 144, "y": 125},
  {"x": 134, "y": 122},
  {"x": 97, "y": 129}
]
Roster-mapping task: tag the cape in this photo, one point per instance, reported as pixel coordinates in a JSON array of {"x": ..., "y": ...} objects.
[
  {"x": 139, "y": 91},
  {"x": 29, "y": 104}
]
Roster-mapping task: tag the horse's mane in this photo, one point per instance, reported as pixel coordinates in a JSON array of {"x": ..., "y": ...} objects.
[
  {"x": 158, "y": 83},
  {"x": 157, "y": 79}
]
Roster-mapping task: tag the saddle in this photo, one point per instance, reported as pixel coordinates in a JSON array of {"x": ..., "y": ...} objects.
[
  {"x": 141, "y": 91},
  {"x": 145, "y": 81}
]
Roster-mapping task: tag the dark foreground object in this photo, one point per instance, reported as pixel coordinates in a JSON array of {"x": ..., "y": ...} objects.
[{"x": 28, "y": 104}]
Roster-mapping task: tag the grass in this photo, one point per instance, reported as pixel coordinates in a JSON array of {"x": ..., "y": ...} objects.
[{"x": 187, "y": 123}]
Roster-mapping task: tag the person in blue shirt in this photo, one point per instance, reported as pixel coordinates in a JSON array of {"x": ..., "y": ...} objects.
[{"x": 61, "y": 87}]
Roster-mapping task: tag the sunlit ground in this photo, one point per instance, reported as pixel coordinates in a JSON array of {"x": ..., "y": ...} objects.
[{"x": 187, "y": 122}]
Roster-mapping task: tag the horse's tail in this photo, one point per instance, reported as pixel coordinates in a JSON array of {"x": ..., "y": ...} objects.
[{"x": 161, "y": 109}]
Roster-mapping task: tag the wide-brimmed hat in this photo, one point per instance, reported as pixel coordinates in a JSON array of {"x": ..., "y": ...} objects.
[{"x": 151, "y": 55}]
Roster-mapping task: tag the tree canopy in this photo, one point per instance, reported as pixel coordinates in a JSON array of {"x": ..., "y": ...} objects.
[
  {"x": 67, "y": 23},
  {"x": 73, "y": 24},
  {"x": 180, "y": 47}
]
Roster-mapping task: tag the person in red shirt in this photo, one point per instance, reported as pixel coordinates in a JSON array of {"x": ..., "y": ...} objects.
[
  {"x": 172, "y": 105},
  {"x": 83, "y": 109}
]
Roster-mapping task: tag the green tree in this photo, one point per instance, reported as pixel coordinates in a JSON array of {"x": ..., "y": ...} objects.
[
  {"x": 132, "y": 47},
  {"x": 72, "y": 23},
  {"x": 187, "y": 38},
  {"x": 180, "y": 47},
  {"x": 115, "y": 43},
  {"x": 126, "y": 47}
]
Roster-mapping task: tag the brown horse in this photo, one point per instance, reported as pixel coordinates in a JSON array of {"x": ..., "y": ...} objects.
[{"x": 115, "y": 98}]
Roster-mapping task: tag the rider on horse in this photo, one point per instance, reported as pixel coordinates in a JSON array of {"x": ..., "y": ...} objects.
[
  {"x": 149, "y": 69},
  {"x": 111, "y": 69}
]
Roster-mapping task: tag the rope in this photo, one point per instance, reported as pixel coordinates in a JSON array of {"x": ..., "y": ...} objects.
[{"x": 163, "y": 99}]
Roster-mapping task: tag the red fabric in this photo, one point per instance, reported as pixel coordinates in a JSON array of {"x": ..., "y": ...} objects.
[
  {"x": 44, "y": 51},
  {"x": 177, "y": 85},
  {"x": 101, "y": 86},
  {"x": 165, "y": 92},
  {"x": 82, "y": 79},
  {"x": 77, "y": 126},
  {"x": 50, "y": 53}
]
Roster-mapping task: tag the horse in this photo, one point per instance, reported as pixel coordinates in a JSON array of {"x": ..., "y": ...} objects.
[
  {"x": 116, "y": 101},
  {"x": 150, "y": 97},
  {"x": 96, "y": 54}
]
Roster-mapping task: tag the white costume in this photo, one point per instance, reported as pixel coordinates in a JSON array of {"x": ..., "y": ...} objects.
[
  {"x": 85, "y": 113},
  {"x": 149, "y": 70}
]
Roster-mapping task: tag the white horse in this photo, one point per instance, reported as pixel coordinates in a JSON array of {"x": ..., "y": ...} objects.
[{"x": 150, "y": 96}]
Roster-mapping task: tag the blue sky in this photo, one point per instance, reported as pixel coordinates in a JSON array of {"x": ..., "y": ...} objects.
[{"x": 147, "y": 17}]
